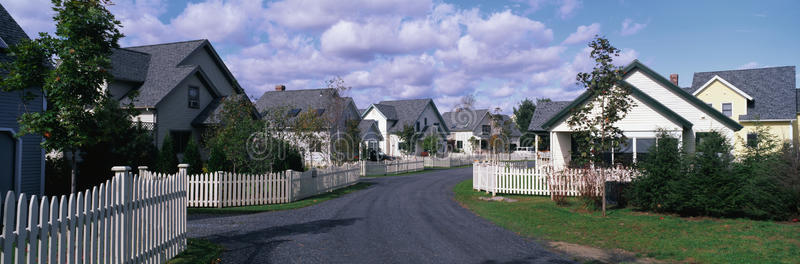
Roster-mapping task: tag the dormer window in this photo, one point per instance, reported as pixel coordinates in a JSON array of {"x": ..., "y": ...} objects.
[{"x": 194, "y": 97}]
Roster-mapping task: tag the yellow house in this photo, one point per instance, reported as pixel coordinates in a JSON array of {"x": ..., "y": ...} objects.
[{"x": 766, "y": 95}]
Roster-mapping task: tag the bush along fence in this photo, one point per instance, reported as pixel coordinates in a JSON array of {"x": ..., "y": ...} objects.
[
  {"x": 372, "y": 168},
  {"x": 225, "y": 189},
  {"x": 127, "y": 219},
  {"x": 507, "y": 178}
]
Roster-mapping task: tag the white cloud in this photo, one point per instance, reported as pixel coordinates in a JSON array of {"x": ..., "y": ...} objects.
[
  {"x": 568, "y": 7},
  {"x": 317, "y": 15},
  {"x": 233, "y": 21},
  {"x": 630, "y": 28},
  {"x": 583, "y": 34},
  {"x": 33, "y": 16}
]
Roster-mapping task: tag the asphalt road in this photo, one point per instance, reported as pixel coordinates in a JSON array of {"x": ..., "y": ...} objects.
[{"x": 402, "y": 219}]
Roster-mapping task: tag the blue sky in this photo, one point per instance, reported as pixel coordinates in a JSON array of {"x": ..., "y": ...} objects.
[{"x": 499, "y": 51}]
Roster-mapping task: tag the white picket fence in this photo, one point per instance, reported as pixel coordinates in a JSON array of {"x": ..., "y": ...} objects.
[
  {"x": 127, "y": 219},
  {"x": 505, "y": 178},
  {"x": 372, "y": 168},
  {"x": 225, "y": 189},
  {"x": 447, "y": 162}
]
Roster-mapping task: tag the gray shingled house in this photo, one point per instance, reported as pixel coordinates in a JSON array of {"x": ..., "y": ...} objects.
[
  {"x": 336, "y": 111},
  {"x": 393, "y": 116},
  {"x": 465, "y": 124},
  {"x": 21, "y": 158},
  {"x": 180, "y": 85}
]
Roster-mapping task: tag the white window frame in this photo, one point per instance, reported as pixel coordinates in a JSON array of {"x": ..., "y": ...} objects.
[{"x": 722, "y": 109}]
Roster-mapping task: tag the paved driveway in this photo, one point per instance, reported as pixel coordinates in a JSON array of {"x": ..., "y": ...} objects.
[{"x": 403, "y": 219}]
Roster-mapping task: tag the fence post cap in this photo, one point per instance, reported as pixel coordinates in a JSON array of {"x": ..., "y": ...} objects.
[
  {"x": 183, "y": 165},
  {"x": 142, "y": 167},
  {"x": 120, "y": 168}
]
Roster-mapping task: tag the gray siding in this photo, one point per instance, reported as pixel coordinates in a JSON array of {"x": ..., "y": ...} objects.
[
  {"x": 11, "y": 107},
  {"x": 211, "y": 68},
  {"x": 173, "y": 112}
]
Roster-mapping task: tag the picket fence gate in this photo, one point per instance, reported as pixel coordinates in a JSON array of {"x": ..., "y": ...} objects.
[
  {"x": 225, "y": 189},
  {"x": 506, "y": 178},
  {"x": 127, "y": 219}
]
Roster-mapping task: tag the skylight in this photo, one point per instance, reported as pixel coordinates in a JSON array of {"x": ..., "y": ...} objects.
[{"x": 293, "y": 112}]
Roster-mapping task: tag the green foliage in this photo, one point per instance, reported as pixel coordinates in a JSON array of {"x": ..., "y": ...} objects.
[
  {"x": 216, "y": 159},
  {"x": 431, "y": 144},
  {"x": 608, "y": 104},
  {"x": 408, "y": 139},
  {"x": 474, "y": 143},
  {"x": 524, "y": 113},
  {"x": 86, "y": 34},
  {"x": 710, "y": 183},
  {"x": 167, "y": 158},
  {"x": 192, "y": 157}
]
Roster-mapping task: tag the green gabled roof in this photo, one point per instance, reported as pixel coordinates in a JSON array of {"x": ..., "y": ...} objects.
[{"x": 649, "y": 100}]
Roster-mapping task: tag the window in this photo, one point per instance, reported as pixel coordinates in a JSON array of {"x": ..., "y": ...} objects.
[
  {"x": 727, "y": 109},
  {"x": 426, "y": 121},
  {"x": 436, "y": 124},
  {"x": 194, "y": 97},
  {"x": 752, "y": 140},
  {"x": 459, "y": 144},
  {"x": 417, "y": 125},
  {"x": 293, "y": 112},
  {"x": 486, "y": 129},
  {"x": 643, "y": 146},
  {"x": 698, "y": 137},
  {"x": 181, "y": 139}
]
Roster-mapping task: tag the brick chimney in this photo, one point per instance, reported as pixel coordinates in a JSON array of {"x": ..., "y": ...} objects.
[
  {"x": 674, "y": 79},
  {"x": 280, "y": 87}
]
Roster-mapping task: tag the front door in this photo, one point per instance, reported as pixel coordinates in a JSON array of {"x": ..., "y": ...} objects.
[{"x": 8, "y": 159}]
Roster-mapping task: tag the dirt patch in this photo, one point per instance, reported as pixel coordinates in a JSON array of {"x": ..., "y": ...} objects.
[{"x": 592, "y": 254}]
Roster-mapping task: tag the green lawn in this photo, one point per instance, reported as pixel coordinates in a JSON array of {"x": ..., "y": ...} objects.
[
  {"x": 275, "y": 207},
  {"x": 198, "y": 251},
  {"x": 664, "y": 237}
]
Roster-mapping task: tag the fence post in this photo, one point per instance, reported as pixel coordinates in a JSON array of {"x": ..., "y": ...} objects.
[
  {"x": 124, "y": 173},
  {"x": 142, "y": 171}
]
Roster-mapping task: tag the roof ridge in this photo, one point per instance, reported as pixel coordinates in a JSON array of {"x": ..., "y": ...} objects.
[
  {"x": 751, "y": 69},
  {"x": 168, "y": 43}
]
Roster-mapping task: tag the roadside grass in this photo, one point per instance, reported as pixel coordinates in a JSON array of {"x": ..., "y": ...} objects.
[
  {"x": 277, "y": 207},
  {"x": 426, "y": 170},
  {"x": 659, "y": 236},
  {"x": 198, "y": 251}
]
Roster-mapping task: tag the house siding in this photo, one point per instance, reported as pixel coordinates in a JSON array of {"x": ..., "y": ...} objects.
[
  {"x": 211, "y": 68},
  {"x": 373, "y": 114},
  {"x": 32, "y": 156},
  {"x": 174, "y": 112}
]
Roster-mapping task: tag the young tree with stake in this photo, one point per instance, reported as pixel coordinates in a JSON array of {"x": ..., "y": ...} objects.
[{"x": 608, "y": 104}]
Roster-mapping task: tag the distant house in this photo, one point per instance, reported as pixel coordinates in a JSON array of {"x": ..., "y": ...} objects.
[
  {"x": 660, "y": 106},
  {"x": 336, "y": 111},
  {"x": 178, "y": 84},
  {"x": 21, "y": 158},
  {"x": 393, "y": 116},
  {"x": 466, "y": 124},
  {"x": 765, "y": 95}
]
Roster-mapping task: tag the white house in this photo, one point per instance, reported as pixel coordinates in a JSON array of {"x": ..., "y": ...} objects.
[
  {"x": 393, "y": 116},
  {"x": 660, "y": 105},
  {"x": 475, "y": 125}
]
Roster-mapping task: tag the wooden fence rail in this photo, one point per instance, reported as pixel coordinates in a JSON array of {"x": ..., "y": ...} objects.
[
  {"x": 127, "y": 219},
  {"x": 225, "y": 189},
  {"x": 507, "y": 178}
]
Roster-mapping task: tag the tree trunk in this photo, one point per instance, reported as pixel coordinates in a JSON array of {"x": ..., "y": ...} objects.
[{"x": 74, "y": 172}]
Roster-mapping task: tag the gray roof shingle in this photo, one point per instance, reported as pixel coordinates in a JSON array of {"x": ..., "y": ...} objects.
[
  {"x": 405, "y": 112},
  {"x": 545, "y": 111},
  {"x": 797, "y": 95},
  {"x": 303, "y": 99},
  {"x": 772, "y": 90},
  {"x": 10, "y": 32},
  {"x": 129, "y": 65},
  {"x": 365, "y": 125},
  {"x": 464, "y": 119}
]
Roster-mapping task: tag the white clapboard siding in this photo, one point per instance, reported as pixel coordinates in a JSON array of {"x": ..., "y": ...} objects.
[
  {"x": 225, "y": 189},
  {"x": 127, "y": 219},
  {"x": 518, "y": 178}
]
